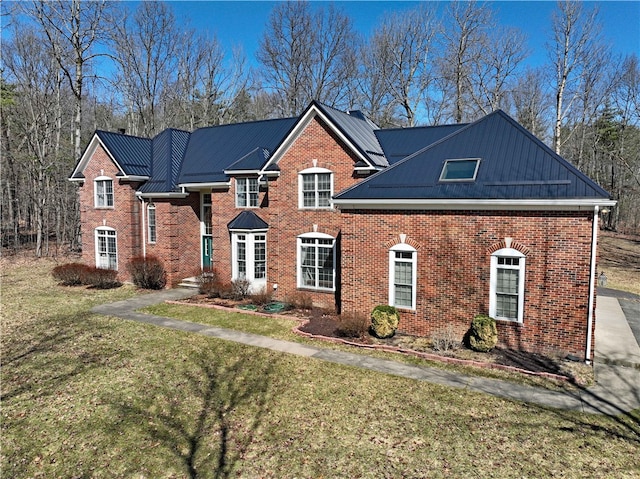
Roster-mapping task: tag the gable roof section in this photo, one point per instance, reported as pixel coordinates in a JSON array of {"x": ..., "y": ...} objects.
[
  {"x": 168, "y": 150},
  {"x": 247, "y": 220},
  {"x": 398, "y": 143},
  {"x": 354, "y": 130},
  {"x": 131, "y": 154},
  {"x": 212, "y": 150},
  {"x": 515, "y": 167}
]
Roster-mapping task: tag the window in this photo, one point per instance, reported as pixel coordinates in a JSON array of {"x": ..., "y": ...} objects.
[
  {"x": 507, "y": 285},
  {"x": 106, "y": 248},
  {"x": 103, "y": 192},
  {"x": 316, "y": 188},
  {"x": 151, "y": 222},
  {"x": 246, "y": 192},
  {"x": 402, "y": 276},
  {"x": 316, "y": 260},
  {"x": 460, "y": 170},
  {"x": 249, "y": 258}
]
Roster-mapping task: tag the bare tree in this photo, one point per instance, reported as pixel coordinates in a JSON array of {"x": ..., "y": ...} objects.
[
  {"x": 530, "y": 101},
  {"x": 576, "y": 37},
  {"x": 464, "y": 35},
  {"x": 400, "y": 59},
  {"x": 307, "y": 55}
]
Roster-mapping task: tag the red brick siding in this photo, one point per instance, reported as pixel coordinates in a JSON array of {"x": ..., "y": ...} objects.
[{"x": 453, "y": 270}]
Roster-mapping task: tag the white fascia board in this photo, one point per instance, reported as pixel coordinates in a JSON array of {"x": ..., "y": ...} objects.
[
  {"x": 205, "y": 186},
  {"x": 133, "y": 178},
  {"x": 162, "y": 195},
  {"x": 242, "y": 172},
  {"x": 300, "y": 126},
  {"x": 438, "y": 204}
]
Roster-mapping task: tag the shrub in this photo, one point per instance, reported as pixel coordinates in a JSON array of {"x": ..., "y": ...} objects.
[
  {"x": 70, "y": 274},
  {"x": 147, "y": 272},
  {"x": 240, "y": 288},
  {"x": 445, "y": 340},
  {"x": 100, "y": 278},
  {"x": 384, "y": 321},
  {"x": 209, "y": 283},
  {"x": 262, "y": 297},
  {"x": 353, "y": 325},
  {"x": 483, "y": 335},
  {"x": 299, "y": 300}
]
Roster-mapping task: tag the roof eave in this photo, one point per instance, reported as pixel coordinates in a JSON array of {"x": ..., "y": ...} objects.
[
  {"x": 173, "y": 194},
  {"x": 577, "y": 204},
  {"x": 133, "y": 178},
  {"x": 205, "y": 186}
]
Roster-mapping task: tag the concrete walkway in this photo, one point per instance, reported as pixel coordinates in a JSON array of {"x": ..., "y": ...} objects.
[{"x": 617, "y": 389}]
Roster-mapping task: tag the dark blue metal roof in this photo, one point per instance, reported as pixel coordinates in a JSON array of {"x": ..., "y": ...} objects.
[
  {"x": 514, "y": 164},
  {"x": 168, "y": 149},
  {"x": 251, "y": 161},
  {"x": 359, "y": 131},
  {"x": 247, "y": 220},
  {"x": 132, "y": 153},
  {"x": 213, "y": 150},
  {"x": 398, "y": 143}
]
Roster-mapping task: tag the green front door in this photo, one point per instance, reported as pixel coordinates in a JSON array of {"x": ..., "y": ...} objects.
[{"x": 207, "y": 251}]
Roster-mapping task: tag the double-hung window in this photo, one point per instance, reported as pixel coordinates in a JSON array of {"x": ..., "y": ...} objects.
[
  {"x": 316, "y": 261},
  {"x": 151, "y": 222},
  {"x": 315, "y": 188},
  {"x": 506, "y": 289},
  {"x": 402, "y": 276},
  {"x": 246, "y": 192},
  {"x": 103, "y": 192},
  {"x": 106, "y": 248}
]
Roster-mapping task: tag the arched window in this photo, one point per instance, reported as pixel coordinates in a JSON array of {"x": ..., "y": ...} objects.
[
  {"x": 315, "y": 188},
  {"x": 506, "y": 291},
  {"x": 402, "y": 276}
]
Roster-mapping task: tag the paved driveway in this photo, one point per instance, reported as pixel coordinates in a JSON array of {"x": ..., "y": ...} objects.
[{"x": 630, "y": 304}]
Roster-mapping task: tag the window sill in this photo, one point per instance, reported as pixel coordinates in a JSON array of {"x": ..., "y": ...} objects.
[
  {"x": 315, "y": 290},
  {"x": 104, "y": 207}
]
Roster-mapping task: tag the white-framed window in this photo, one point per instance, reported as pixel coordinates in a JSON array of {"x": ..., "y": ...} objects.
[
  {"x": 506, "y": 288},
  {"x": 151, "y": 222},
  {"x": 249, "y": 257},
  {"x": 103, "y": 189},
  {"x": 247, "y": 192},
  {"x": 464, "y": 169},
  {"x": 106, "y": 248},
  {"x": 402, "y": 276},
  {"x": 316, "y": 261},
  {"x": 315, "y": 188}
]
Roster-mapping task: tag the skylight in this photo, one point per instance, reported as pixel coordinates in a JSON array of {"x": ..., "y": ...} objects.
[{"x": 460, "y": 170}]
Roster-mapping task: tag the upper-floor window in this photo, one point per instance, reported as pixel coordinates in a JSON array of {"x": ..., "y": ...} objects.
[
  {"x": 103, "y": 192},
  {"x": 315, "y": 188},
  {"x": 402, "y": 276},
  {"x": 246, "y": 192},
  {"x": 506, "y": 288},
  {"x": 151, "y": 222},
  {"x": 460, "y": 170}
]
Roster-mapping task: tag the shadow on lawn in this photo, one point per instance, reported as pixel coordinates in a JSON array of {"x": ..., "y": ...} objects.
[{"x": 211, "y": 420}]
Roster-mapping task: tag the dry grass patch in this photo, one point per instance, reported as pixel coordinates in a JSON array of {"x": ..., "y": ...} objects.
[{"x": 620, "y": 260}]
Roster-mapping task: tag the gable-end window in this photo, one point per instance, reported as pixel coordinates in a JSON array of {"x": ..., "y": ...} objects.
[
  {"x": 315, "y": 188},
  {"x": 506, "y": 300},
  {"x": 246, "y": 192},
  {"x": 316, "y": 261},
  {"x": 106, "y": 248},
  {"x": 402, "y": 276},
  {"x": 460, "y": 170},
  {"x": 151, "y": 222},
  {"x": 103, "y": 192}
]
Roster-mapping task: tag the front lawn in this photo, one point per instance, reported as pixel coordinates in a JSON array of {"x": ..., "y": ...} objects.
[{"x": 85, "y": 395}]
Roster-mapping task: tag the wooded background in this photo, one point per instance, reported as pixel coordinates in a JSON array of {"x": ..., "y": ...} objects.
[{"x": 72, "y": 67}]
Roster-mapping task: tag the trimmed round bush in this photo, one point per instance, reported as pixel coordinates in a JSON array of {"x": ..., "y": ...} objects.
[
  {"x": 483, "y": 335},
  {"x": 70, "y": 274},
  {"x": 147, "y": 272},
  {"x": 384, "y": 321}
]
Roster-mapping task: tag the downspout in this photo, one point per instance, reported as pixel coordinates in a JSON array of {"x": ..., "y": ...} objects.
[
  {"x": 144, "y": 238},
  {"x": 592, "y": 282}
]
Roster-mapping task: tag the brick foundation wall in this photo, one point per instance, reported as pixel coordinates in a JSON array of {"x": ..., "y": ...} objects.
[{"x": 453, "y": 270}]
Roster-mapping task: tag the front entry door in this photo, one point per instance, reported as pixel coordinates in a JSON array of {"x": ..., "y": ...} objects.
[{"x": 206, "y": 232}]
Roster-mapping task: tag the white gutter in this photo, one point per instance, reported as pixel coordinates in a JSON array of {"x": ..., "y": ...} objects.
[
  {"x": 144, "y": 239},
  {"x": 470, "y": 204},
  {"x": 592, "y": 283},
  {"x": 204, "y": 186}
]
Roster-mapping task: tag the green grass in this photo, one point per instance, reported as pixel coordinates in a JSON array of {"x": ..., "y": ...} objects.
[{"x": 85, "y": 395}]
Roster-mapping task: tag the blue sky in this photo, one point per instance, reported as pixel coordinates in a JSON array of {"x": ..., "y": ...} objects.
[{"x": 243, "y": 23}]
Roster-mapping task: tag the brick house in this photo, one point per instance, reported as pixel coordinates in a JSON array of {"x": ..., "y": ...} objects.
[{"x": 443, "y": 222}]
